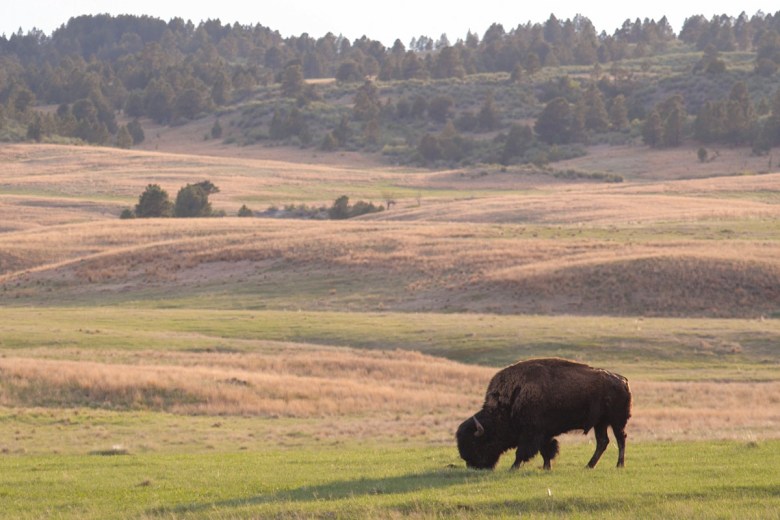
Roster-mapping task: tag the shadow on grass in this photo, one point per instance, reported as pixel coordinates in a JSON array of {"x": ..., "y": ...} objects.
[
  {"x": 337, "y": 490},
  {"x": 327, "y": 495}
]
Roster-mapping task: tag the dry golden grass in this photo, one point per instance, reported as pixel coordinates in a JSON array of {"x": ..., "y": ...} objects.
[
  {"x": 77, "y": 184},
  {"x": 696, "y": 410},
  {"x": 301, "y": 383},
  {"x": 591, "y": 206},
  {"x": 391, "y": 394},
  {"x": 188, "y": 140},
  {"x": 505, "y": 242},
  {"x": 642, "y": 163},
  {"x": 83, "y": 184},
  {"x": 422, "y": 265}
]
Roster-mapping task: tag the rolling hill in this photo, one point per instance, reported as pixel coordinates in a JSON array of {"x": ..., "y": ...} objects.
[{"x": 502, "y": 242}]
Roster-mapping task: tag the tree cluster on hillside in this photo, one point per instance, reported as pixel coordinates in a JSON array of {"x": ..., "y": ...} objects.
[
  {"x": 191, "y": 201},
  {"x": 413, "y": 103}
]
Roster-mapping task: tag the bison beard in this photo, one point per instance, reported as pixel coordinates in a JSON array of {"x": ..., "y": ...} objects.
[{"x": 531, "y": 402}]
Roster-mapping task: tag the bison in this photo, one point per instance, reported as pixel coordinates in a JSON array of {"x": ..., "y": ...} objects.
[{"x": 531, "y": 402}]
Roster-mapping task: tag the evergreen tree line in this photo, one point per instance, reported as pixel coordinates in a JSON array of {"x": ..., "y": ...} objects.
[
  {"x": 176, "y": 70},
  {"x": 733, "y": 121},
  {"x": 93, "y": 67}
]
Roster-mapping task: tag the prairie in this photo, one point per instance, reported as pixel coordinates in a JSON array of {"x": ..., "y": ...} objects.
[
  {"x": 349, "y": 351},
  {"x": 485, "y": 241},
  {"x": 661, "y": 480}
]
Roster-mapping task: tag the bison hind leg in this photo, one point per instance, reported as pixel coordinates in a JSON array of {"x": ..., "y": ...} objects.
[
  {"x": 549, "y": 450},
  {"x": 620, "y": 437},
  {"x": 602, "y": 441}
]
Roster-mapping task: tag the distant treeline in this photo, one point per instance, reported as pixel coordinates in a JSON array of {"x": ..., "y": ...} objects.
[
  {"x": 174, "y": 69},
  {"x": 94, "y": 67}
]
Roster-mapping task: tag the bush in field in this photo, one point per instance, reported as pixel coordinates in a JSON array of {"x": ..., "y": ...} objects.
[
  {"x": 341, "y": 208},
  {"x": 363, "y": 208},
  {"x": 193, "y": 200},
  {"x": 153, "y": 203}
]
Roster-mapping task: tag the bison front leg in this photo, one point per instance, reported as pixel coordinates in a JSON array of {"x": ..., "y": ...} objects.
[
  {"x": 602, "y": 441},
  {"x": 527, "y": 448}
]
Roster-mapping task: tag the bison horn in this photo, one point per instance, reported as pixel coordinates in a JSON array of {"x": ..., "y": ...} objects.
[{"x": 480, "y": 429}]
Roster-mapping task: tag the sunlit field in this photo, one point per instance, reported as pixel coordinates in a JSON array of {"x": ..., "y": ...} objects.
[{"x": 263, "y": 367}]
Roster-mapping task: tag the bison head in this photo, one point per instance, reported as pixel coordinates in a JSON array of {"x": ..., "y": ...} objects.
[{"x": 481, "y": 440}]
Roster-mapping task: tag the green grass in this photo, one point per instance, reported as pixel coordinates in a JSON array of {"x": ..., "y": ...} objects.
[
  {"x": 658, "y": 348},
  {"x": 677, "y": 480},
  {"x": 79, "y": 431}
]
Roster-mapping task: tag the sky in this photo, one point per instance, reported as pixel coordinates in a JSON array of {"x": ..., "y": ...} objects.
[{"x": 383, "y": 21}]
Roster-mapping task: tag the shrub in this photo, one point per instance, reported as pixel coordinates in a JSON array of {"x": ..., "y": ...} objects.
[
  {"x": 341, "y": 208},
  {"x": 193, "y": 200},
  {"x": 329, "y": 142},
  {"x": 153, "y": 203},
  {"x": 216, "y": 130},
  {"x": 363, "y": 208}
]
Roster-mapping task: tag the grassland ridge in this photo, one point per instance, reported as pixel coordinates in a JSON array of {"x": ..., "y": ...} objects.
[
  {"x": 419, "y": 266},
  {"x": 588, "y": 205},
  {"x": 656, "y": 283}
]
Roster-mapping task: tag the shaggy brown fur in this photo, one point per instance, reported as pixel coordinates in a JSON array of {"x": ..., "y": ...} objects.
[{"x": 531, "y": 402}]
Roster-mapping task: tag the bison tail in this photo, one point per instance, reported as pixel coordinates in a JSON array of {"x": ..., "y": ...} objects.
[{"x": 629, "y": 401}]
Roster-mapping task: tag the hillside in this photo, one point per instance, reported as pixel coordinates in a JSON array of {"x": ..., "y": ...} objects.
[
  {"x": 505, "y": 242},
  {"x": 535, "y": 94}
]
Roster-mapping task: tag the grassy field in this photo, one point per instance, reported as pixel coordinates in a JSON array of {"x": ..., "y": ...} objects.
[
  {"x": 671, "y": 480},
  {"x": 223, "y": 368}
]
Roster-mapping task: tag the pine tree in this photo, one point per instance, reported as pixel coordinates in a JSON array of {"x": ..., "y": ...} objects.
[
  {"x": 292, "y": 80},
  {"x": 518, "y": 141},
  {"x": 653, "y": 130},
  {"x": 158, "y": 99},
  {"x": 216, "y": 130},
  {"x": 772, "y": 124},
  {"x": 367, "y": 105},
  {"x": 596, "y": 116},
  {"x": 554, "y": 124},
  {"x": 488, "y": 117},
  {"x": 342, "y": 132},
  {"x": 136, "y": 131},
  {"x": 740, "y": 115},
  {"x": 123, "y": 138},
  {"x": 618, "y": 113},
  {"x": 674, "y": 126},
  {"x": 430, "y": 148},
  {"x": 153, "y": 203},
  {"x": 532, "y": 64}
]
